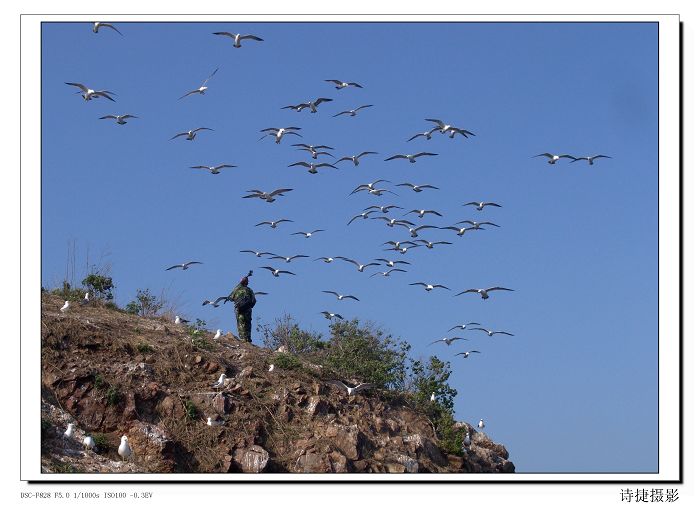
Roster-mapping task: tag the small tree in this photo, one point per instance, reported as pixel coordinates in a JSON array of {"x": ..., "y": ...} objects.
[
  {"x": 286, "y": 332},
  {"x": 145, "y": 305},
  {"x": 99, "y": 285}
]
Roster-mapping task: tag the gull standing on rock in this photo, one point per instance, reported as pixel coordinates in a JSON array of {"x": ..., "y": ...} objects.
[
  {"x": 202, "y": 88},
  {"x": 220, "y": 381},
  {"x": 237, "y": 38},
  {"x": 124, "y": 449},
  {"x": 180, "y": 320},
  {"x": 65, "y": 307},
  {"x": 217, "y": 335},
  {"x": 481, "y": 424},
  {"x": 88, "y": 443},
  {"x": 68, "y": 434},
  {"x": 86, "y": 299}
]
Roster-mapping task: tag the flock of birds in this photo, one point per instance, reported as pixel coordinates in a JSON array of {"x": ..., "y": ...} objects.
[{"x": 377, "y": 188}]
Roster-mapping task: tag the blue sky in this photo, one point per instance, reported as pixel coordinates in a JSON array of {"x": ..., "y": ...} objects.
[{"x": 578, "y": 243}]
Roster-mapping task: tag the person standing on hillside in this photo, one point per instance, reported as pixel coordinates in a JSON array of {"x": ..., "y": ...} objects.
[{"x": 243, "y": 300}]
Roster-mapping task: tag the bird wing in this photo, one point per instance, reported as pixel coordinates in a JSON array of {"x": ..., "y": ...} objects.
[
  {"x": 331, "y": 292},
  {"x": 300, "y": 163},
  {"x": 428, "y": 186},
  {"x": 440, "y": 287},
  {"x": 366, "y": 153},
  {"x": 397, "y": 156},
  {"x": 601, "y": 156},
  {"x": 286, "y": 272},
  {"x": 353, "y": 84},
  {"x": 201, "y": 129},
  {"x": 479, "y": 329},
  {"x": 321, "y": 100},
  {"x": 472, "y": 203},
  {"x": 550, "y": 156},
  {"x": 350, "y": 297},
  {"x": 397, "y": 269},
  {"x": 466, "y": 291},
  {"x": 415, "y": 136},
  {"x": 341, "y": 113},
  {"x": 419, "y": 283},
  {"x": 112, "y": 27},
  {"x": 222, "y": 298},
  {"x": 497, "y": 288},
  {"x": 189, "y": 93},
  {"x": 173, "y": 267},
  {"x": 79, "y": 85},
  {"x": 503, "y": 333},
  {"x": 108, "y": 117},
  {"x": 456, "y": 229},
  {"x": 268, "y": 268},
  {"x": 317, "y": 230},
  {"x": 228, "y": 34},
  {"x": 103, "y": 94},
  {"x": 337, "y": 384},
  {"x": 210, "y": 76},
  {"x": 321, "y": 165},
  {"x": 280, "y": 191},
  {"x": 193, "y": 262},
  {"x": 440, "y": 123},
  {"x": 337, "y": 82},
  {"x": 424, "y": 154},
  {"x": 363, "y": 106},
  {"x": 249, "y": 36},
  {"x": 421, "y": 227},
  {"x": 566, "y": 156},
  {"x": 363, "y": 386}
]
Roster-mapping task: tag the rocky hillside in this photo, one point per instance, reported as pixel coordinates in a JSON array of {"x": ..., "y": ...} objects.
[{"x": 114, "y": 374}]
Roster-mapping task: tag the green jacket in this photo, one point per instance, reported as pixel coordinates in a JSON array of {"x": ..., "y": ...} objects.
[{"x": 243, "y": 298}]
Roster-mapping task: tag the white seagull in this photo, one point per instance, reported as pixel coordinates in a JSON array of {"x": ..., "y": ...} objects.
[
  {"x": 428, "y": 287},
  {"x": 448, "y": 341},
  {"x": 383, "y": 208},
  {"x": 417, "y": 187},
  {"x": 460, "y": 230},
  {"x": 591, "y": 158},
  {"x": 355, "y": 159},
  {"x": 88, "y": 443},
  {"x": 429, "y": 244},
  {"x": 330, "y": 315},
  {"x": 466, "y": 354},
  {"x": 312, "y": 167},
  {"x": 279, "y": 133},
  {"x": 217, "y": 335},
  {"x": 257, "y": 253},
  {"x": 313, "y": 149},
  {"x": 86, "y": 299},
  {"x": 339, "y": 296},
  {"x": 273, "y": 224},
  {"x": 491, "y": 333},
  {"x": 237, "y": 38},
  {"x": 287, "y": 259},
  {"x": 69, "y": 431},
  {"x": 202, "y": 88},
  {"x": 214, "y": 169},
  {"x": 463, "y": 326},
  {"x": 120, "y": 118},
  {"x": 89, "y": 94},
  {"x": 65, "y": 306},
  {"x": 352, "y": 390},
  {"x": 360, "y": 267},
  {"x": 277, "y": 272},
  {"x": 220, "y": 381},
  {"x": 342, "y": 84},
  {"x": 441, "y": 125},
  {"x": 423, "y": 212},
  {"x": 308, "y": 234},
  {"x": 388, "y": 273},
  {"x": 370, "y": 186},
  {"x": 311, "y": 105},
  {"x": 353, "y": 112},
  {"x": 267, "y": 197},
  {"x": 180, "y": 320},
  {"x": 392, "y": 263},
  {"x": 411, "y": 157},
  {"x": 427, "y": 134},
  {"x": 215, "y": 303},
  {"x": 553, "y": 158},
  {"x": 97, "y": 24},
  {"x": 390, "y": 222},
  {"x": 480, "y": 205},
  {"x": 476, "y": 225},
  {"x": 364, "y": 215},
  {"x": 481, "y": 424},
  {"x": 183, "y": 266},
  {"x": 271, "y": 368},
  {"x": 192, "y": 133},
  {"x": 414, "y": 230},
  {"x": 432, "y": 397},
  {"x": 483, "y": 292},
  {"x": 327, "y": 260},
  {"x": 124, "y": 449},
  {"x": 216, "y": 421}
]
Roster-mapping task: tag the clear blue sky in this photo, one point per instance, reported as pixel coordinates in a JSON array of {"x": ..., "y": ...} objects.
[{"x": 576, "y": 389}]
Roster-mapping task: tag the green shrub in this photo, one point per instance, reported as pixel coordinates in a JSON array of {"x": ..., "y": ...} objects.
[
  {"x": 145, "y": 304},
  {"x": 99, "y": 285},
  {"x": 191, "y": 410},
  {"x": 132, "y": 308},
  {"x": 286, "y": 361},
  {"x": 69, "y": 293},
  {"x": 197, "y": 337},
  {"x": 114, "y": 396},
  {"x": 64, "y": 467},
  {"x": 101, "y": 442},
  {"x": 99, "y": 381},
  {"x": 144, "y": 348},
  {"x": 111, "y": 305},
  {"x": 286, "y": 332}
]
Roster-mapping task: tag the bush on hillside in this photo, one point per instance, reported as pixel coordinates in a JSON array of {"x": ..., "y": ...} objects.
[{"x": 286, "y": 332}]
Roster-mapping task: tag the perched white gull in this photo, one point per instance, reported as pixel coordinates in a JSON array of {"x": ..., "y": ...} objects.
[
  {"x": 202, "y": 88},
  {"x": 466, "y": 354},
  {"x": 183, "y": 266},
  {"x": 483, "y": 292},
  {"x": 388, "y": 273},
  {"x": 312, "y": 167},
  {"x": 360, "y": 267},
  {"x": 216, "y": 421},
  {"x": 355, "y": 159},
  {"x": 313, "y": 149},
  {"x": 423, "y": 212},
  {"x": 480, "y": 205},
  {"x": 237, "y": 38},
  {"x": 481, "y": 424},
  {"x": 267, "y": 197},
  {"x": 417, "y": 187},
  {"x": 352, "y": 390},
  {"x": 287, "y": 259},
  {"x": 257, "y": 253},
  {"x": 308, "y": 234},
  {"x": 428, "y": 286},
  {"x": 354, "y": 111},
  {"x": 311, "y": 105},
  {"x": 220, "y": 381},
  {"x": 279, "y": 133},
  {"x": 277, "y": 272},
  {"x": 214, "y": 169},
  {"x": 427, "y": 134},
  {"x": 271, "y": 368},
  {"x": 69, "y": 431},
  {"x": 463, "y": 326},
  {"x": 591, "y": 158},
  {"x": 88, "y": 443},
  {"x": 553, "y": 158},
  {"x": 411, "y": 157},
  {"x": 342, "y": 84},
  {"x": 448, "y": 341},
  {"x": 65, "y": 306},
  {"x": 86, "y": 299},
  {"x": 120, "y": 118},
  {"x": 491, "y": 333},
  {"x": 180, "y": 320},
  {"x": 330, "y": 315},
  {"x": 273, "y": 224},
  {"x": 467, "y": 441},
  {"x": 432, "y": 397},
  {"x": 98, "y": 24},
  {"x": 124, "y": 449},
  {"x": 192, "y": 133},
  {"x": 89, "y": 94},
  {"x": 217, "y": 335},
  {"x": 339, "y": 296}
]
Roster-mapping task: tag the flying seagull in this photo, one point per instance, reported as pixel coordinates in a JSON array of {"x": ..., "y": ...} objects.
[
  {"x": 183, "y": 266},
  {"x": 476, "y": 225},
  {"x": 553, "y": 158},
  {"x": 448, "y": 341},
  {"x": 97, "y": 24},
  {"x": 330, "y": 315},
  {"x": 312, "y": 167},
  {"x": 327, "y": 260},
  {"x": 257, "y": 253},
  {"x": 277, "y": 272},
  {"x": 278, "y": 133},
  {"x": 342, "y": 84},
  {"x": 355, "y": 159},
  {"x": 427, "y": 134},
  {"x": 267, "y": 197},
  {"x": 463, "y": 132},
  {"x": 273, "y": 224},
  {"x": 311, "y": 105},
  {"x": 463, "y": 326},
  {"x": 339, "y": 296},
  {"x": 491, "y": 333},
  {"x": 591, "y": 158},
  {"x": 215, "y": 303},
  {"x": 369, "y": 186},
  {"x": 392, "y": 263},
  {"x": 89, "y": 94},
  {"x": 288, "y": 259},
  {"x": 313, "y": 149},
  {"x": 429, "y": 244},
  {"x": 364, "y": 215},
  {"x": 390, "y": 222},
  {"x": 388, "y": 273},
  {"x": 483, "y": 292},
  {"x": 383, "y": 208},
  {"x": 460, "y": 230},
  {"x": 237, "y": 38},
  {"x": 410, "y": 157},
  {"x": 480, "y": 205},
  {"x": 360, "y": 267},
  {"x": 214, "y": 169},
  {"x": 203, "y": 87},
  {"x": 120, "y": 118},
  {"x": 423, "y": 212},
  {"x": 428, "y": 287},
  {"x": 466, "y": 354},
  {"x": 192, "y": 133},
  {"x": 308, "y": 234},
  {"x": 352, "y": 113},
  {"x": 352, "y": 390},
  {"x": 417, "y": 187},
  {"x": 413, "y": 230},
  {"x": 448, "y": 127},
  {"x": 124, "y": 449}
]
